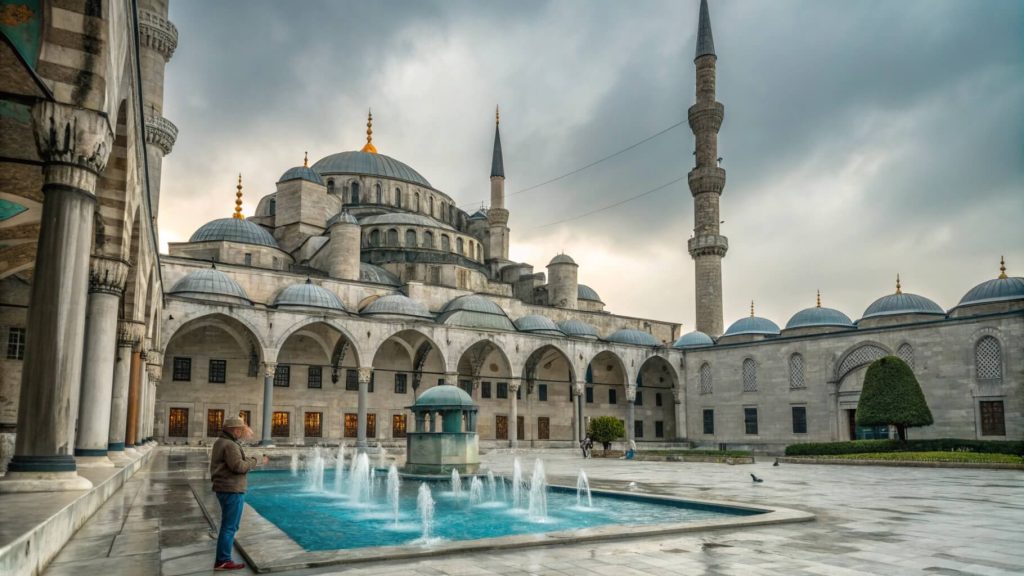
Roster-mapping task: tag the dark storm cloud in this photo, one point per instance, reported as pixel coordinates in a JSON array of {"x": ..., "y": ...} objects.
[{"x": 860, "y": 138}]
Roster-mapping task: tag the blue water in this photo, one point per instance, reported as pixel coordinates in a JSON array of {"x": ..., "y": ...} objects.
[{"x": 329, "y": 521}]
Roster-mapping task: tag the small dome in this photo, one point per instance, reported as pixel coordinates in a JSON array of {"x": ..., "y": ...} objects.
[
  {"x": 753, "y": 325},
  {"x": 578, "y": 329},
  {"x": 479, "y": 215},
  {"x": 997, "y": 290},
  {"x": 584, "y": 292},
  {"x": 538, "y": 324},
  {"x": 301, "y": 173},
  {"x": 396, "y": 305},
  {"x": 369, "y": 164},
  {"x": 634, "y": 337},
  {"x": 562, "y": 259},
  {"x": 210, "y": 282},
  {"x": 234, "y": 230},
  {"x": 475, "y": 311},
  {"x": 444, "y": 396},
  {"x": 308, "y": 295},
  {"x": 403, "y": 219},
  {"x": 902, "y": 303},
  {"x": 818, "y": 316},
  {"x": 373, "y": 273},
  {"x": 694, "y": 339},
  {"x": 343, "y": 217}
]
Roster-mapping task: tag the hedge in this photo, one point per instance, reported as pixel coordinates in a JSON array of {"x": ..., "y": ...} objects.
[
  {"x": 970, "y": 457},
  {"x": 938, "y": 445}
]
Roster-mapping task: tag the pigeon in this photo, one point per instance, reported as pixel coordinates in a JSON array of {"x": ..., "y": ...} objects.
[
  {"x": 776, "y": 462},
  {"x": 756, "y": 479}
]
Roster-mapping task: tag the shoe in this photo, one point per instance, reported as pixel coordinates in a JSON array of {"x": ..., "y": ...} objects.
[{"x": 229, "y": 565}]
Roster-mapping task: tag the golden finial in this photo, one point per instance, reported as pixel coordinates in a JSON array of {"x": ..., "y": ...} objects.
[
  {"x": 369, "y": 134},
  {"x": 899, "y": 288},
  {"x": 497, "y": 115},
  {"x": 751, "y": 308},
  {"x": 238, "y": 199},
  {"x": 305, "y": 159},
  {"x": 1002, "y": 268},
  {"x": 819, "y": 298}
]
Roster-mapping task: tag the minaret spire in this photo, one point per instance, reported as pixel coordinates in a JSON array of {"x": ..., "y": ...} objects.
[
  {"x": 707, "y": 179},
  {"x": 497, "y": 162},
  {"x": 497, "y": 215}
]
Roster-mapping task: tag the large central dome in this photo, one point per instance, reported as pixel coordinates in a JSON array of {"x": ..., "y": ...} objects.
[{"x": 370, "y": 165}]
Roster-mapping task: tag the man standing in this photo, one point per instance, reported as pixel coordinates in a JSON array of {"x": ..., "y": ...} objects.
[{"x": 228, "y": 467}]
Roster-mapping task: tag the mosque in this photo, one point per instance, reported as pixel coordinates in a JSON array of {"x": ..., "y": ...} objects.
[{"x": 357, "y": 285}]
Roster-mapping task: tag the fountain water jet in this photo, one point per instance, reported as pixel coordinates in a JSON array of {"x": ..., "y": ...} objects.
[
  {"x": 315, "y": 472},
  {"x": 476, "y": 491},
  {"x": 339, "y": 470},
  {"x": 359, "y": 479},
  {"x": 517, "y": 482},
  {"x": 295, "y": 464},
  {"x": 538, "y": 492},
  {"x": 380, "y": 456},
  {"x": 491, "y": 486},
  {"x": 456, "y": 484},
  {"x": 583, "y": 489},
  {"x": 394, "y": 485},
  {"x": 425, "y": 506}
]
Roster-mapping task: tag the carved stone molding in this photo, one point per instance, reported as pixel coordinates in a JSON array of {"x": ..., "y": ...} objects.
[
  {"x": 158, "y": 33},
  {"x": 154, "y": 357},
  {"x": 365, "y": 374},
  {"x": 577, "y": 388},
  {"x": 72, "y": 136},
  {"x": 154, "y": 372},
  {"x": 161, "y": 132},
  {"x": 269, "y": 369},
  {"x": 513, "y": 386},
  {"x": 129, "y": 332},
  {"x": 631, "y": 393},
  {"x": 107, "y": 275}
]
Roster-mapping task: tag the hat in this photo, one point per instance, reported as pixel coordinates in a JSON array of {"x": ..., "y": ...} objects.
[{"x": 234, "y": 422}]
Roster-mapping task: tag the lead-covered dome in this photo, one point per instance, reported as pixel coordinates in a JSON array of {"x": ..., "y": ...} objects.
[
  {"x": 475, "y": 311},
  {"x": 444, "y": 396},
  {"x": 308, "y": 295},
  {"x": 343, "y": 217},
  {"x": 301, "y": 173},
  {"x": 562, "y": 259},
  {"x": 819, "y": 316},
  {"x": 578, "y": 329},
  {"x": 396, "y": 305},
  {"x": 1000, "y": 289},
  {"x": 584, "y": 292},
  {"x": 538, "y": 324},
  {"x": 369, "y": 164},
  {"x": 900, "y": 303},
  {"x": 234, "y": 230},
  {"x": 373, "y": 273},
  {"x": 695, "y": 339},
  {"x": 753, "y": 325},
  {"x": 210, "y": 284},
  {"x": 634, "y": 337}
]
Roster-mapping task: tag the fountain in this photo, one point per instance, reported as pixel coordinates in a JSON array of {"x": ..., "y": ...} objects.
[
  {"x": 380, "y": 456},
  {"x": 583, "y": 489},
  {"x": 517, "y": 482},
  {"x": 456, "y": 484},
  {"x": 456, "y": 446},
  {"x": 476, "y": 491},
  {"x": 491, "y": 485},
  {"x": 538, "y": 492},
  {"x": 315, "y": 471},
  {"x": 425, "y": 506},
  {"x": 295, "y": 464},
  {"x": 359, "y": 479},
  {"x": 394, "y": 486},
  {"x": 339, "y": 469}
]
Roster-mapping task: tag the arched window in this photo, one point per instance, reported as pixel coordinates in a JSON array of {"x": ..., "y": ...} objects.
[
  {"x": 330, "y": 185},
  {"x": 355, "y": 193},
  {"x": 446, "y": 243},
  {"x": 380, "y": 194},
  {"x": 416, "y": 202},
  {"x": 479, "y": 253},
  {"x": 410, "y": 238},
  {"x": 988, "y": 360},
  {"x": 392, "y": 238},
  {"x": 906, "y": 353},
  {"x": 749, "y": 375},
  {"x": 374, "y": 237},
  {"x": 428, "y": 239},
  {"x": 398, "y": 197},
  {"x": 705, "y": 378},
  {"x": 431, "y": 206},
  {"x": 459, "y": 246},
  {"x": 796, "y": 372},
  {"x": 273, "y": 206}
]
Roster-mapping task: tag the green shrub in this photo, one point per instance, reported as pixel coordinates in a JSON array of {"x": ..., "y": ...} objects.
[
  {"x": 973, "y": 457},
  {"x": 892, "y": 396},
  {"x": 937, "y": 445},
  {"x": 605, "y": 429}
]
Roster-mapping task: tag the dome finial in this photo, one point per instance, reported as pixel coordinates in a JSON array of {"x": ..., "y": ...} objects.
[
  {"x": 497, "y": 114},
  {"x": 305, "y": 159},
  {"x": 369, "y": 134},
  {"x": 751, "y": 308},
  {"x": 899, "y": 288},
  {"x": 1002, "y": 268},
  {"x": 238, "y": 199},
  {"x": 819, "y": 298}
]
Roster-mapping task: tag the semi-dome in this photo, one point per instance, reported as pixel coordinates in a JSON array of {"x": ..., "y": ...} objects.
[
  {"x": 444, "y": 396},
  {"x": 695, "y": 339},
  {"x": 538, "y": 324},
  {"x": 578, "y": 329},
  {"x": 369, "y": 164},
  {"x": 403, "y": 219},
  {"x": 234, "y": 230},
  {"x": 562, "y": 259},
  {"x": 753, "y": 325},
  {"x": 210, "y": 282},
  {"x": 373, "y": 273},
  {"x": 475, "y": 311},
  {"x": 634, "y": 337},
  {"x": 997, "y": 290},
  {"x": 902, "y": 303},
  {"x": 308, "y": 295},
  {"x": 584, "y": 292},
  {"x": 301, "y": 173},
  {"x": 343, "y": 217},
  {"x": 396, "y": 305},
  {"x": 819, "y": 316}
]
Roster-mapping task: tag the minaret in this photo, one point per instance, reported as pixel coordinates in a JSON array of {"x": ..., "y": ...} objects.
[
  {"x": 497, "y": 215},
  {"x": 707, "y": 247}
]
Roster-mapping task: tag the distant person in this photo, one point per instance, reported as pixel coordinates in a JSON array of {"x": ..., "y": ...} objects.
[
  {"x": 631, "y": 452},
  {"x": 585, "y": 445},
  {"x": 590, "y": 447},
  {"x": 228, "y": 469}
]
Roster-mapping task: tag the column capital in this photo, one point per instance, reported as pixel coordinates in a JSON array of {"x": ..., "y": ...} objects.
[
  {"x": 677, "y": 395},
  {"x": 107, "y": 275},
  {"x": 129, "y": 333},
  {"x": 71, "y": 140},
  {"x": 514, "y": 384},
  {"x": 365, "y": 373},
  {"x": 154, "y": 372},
  {"x": 631, "y": 393},
  {"x": 158, "y": 33},
  {"x": 578, "y": 388},
  {"x": 269, "y": 369},
  {"x": 154, "y": 357}
]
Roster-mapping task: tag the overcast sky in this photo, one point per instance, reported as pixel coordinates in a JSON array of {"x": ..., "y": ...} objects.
[{"x": 861, "y": 139}]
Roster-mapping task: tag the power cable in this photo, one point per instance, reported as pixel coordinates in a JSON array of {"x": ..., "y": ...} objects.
[{"x": 610, "y": 206}]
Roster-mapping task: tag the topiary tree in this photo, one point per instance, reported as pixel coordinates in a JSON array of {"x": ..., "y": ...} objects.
[
  {"x": 604, "y": 429},
  {"x": 892, "y": 396}
]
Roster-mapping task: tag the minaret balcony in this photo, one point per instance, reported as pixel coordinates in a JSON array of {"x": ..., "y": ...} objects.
[
  {"x": 157, "y": 33},
  {"x": 497, "y": 216},
  {"x": 160, "y": 132},
  {"x": 708, "y": 245},
  {"x": 706, "y": 180},
  {"x": 704, "y": 116}
]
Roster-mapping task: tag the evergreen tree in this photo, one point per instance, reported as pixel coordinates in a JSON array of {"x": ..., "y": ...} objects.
[
  {"x": 892, "y": 396},
  {"x": 604, "y": 429}
]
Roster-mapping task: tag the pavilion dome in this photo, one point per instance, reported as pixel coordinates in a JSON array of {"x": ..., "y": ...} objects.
[
  {"x": 396, "y": 305},
  {"x": 819, "y": 316},
  {"x": 902, "y": 303},
  {"x": 301, "y": 173},
  {"x": 584, "y": 292},
  {"x": 475, "y": 311},
  {"x": 369, "y": 164},
  {"x": 634, "y": 337},
  {"x": 234, "y": 230},
  {"x": 562, "y": 259},
  {"x": 753, "y": 325},
  {"x": 999, "y": 289},
  {"x": 538, "y": 324},
  {"x": 578, "y": 329},
  {"x": 444, "y": 396},
  {"x": 308, "y": 295},
  {"x": 695, "y": 339},
  {"x": 210, "y": 282}
]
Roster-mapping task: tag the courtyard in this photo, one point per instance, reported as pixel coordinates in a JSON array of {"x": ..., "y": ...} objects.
[{"x": 869, "y": 520}]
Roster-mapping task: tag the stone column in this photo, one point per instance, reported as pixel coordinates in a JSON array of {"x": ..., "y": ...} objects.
[
  {"x": 107, "y": 278},
  {"x": 513, "y": 410},
  {"x": 269, "y": 368},
  {"x": 680, "y": 407},
  {"x": 364, "y": 389},
  {"x": 577, "y": 413},
  {"x": 134, "y": 385},
  {"x": 74, "y": 144},
  {"x": 154, "y": 373},
  {"x": 128, "y": 335},
  {"x": 630, "y": 412},
  {"x": 140, "y": 427}
]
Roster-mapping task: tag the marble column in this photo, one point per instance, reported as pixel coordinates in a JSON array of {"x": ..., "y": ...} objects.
[
  {"x": 74, "y": 144},
  {"x": 364, "y": 389},
  {"x": 577, "y": 413},
  {"x": 140, "y": 427},
  {"x": 513, "y": 410},
  {"x": 680, "y": 408},
  {"x": 630, "y": 412},
  {"x": 107, "y": 278},
  {"x": 128, "y": 335},
  {"x": 154, "y": 372},
  {"x": 269, "y": 368},
  {"x": 132, "y": 420}
]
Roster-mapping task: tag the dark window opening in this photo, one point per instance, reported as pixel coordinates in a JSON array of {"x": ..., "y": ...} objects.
[
  {"x": 283, "y": 376},
  {"x": 750, "y": 420},
  {"x": 709, "y": 421},
  {"x": 315, "y": 377},
  {"x": 214, "y": 422},
  {"x": 182, "y": 370},
  {"x": 799, "y": 420},
  {"x": 218, "y": 371},
  {"x": 314, "y": 425}
]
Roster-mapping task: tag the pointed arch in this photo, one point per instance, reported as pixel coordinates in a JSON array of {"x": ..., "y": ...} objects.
[{"x": 858, "y": 355}]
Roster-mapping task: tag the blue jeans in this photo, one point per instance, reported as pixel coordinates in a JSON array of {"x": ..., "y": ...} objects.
[{"x": 231, "y": 505}]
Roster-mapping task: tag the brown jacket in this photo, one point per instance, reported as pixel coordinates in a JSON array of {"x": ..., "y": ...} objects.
[{"x": 228, "y": 465}]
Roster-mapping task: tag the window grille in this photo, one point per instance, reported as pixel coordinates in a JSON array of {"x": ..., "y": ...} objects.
[
  {"x": 705, "y": 379},
  {"x": 279, "y": 425},
  {"x": 709, "y": 421},
  {"x": 906, "y": 353},
  {"x": 796, "y": 372},
  {"x": 315, "y": 378},
  {"x": 749, "y": 375},
  {"x": 283, "y": 375},
  {"x": 218, "y": 371},
  {"x": 401, "y": 381},
  {"x": 988, "y": 359},
  {"x": 398, "y": 426},
  {"x": 16, "y": 344},
  {"x": 314, "y": 425},
  {"x": 214, "y": 422},
  {"x": 750, "y": 420},
  {"x": 182, "y": 370}
]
